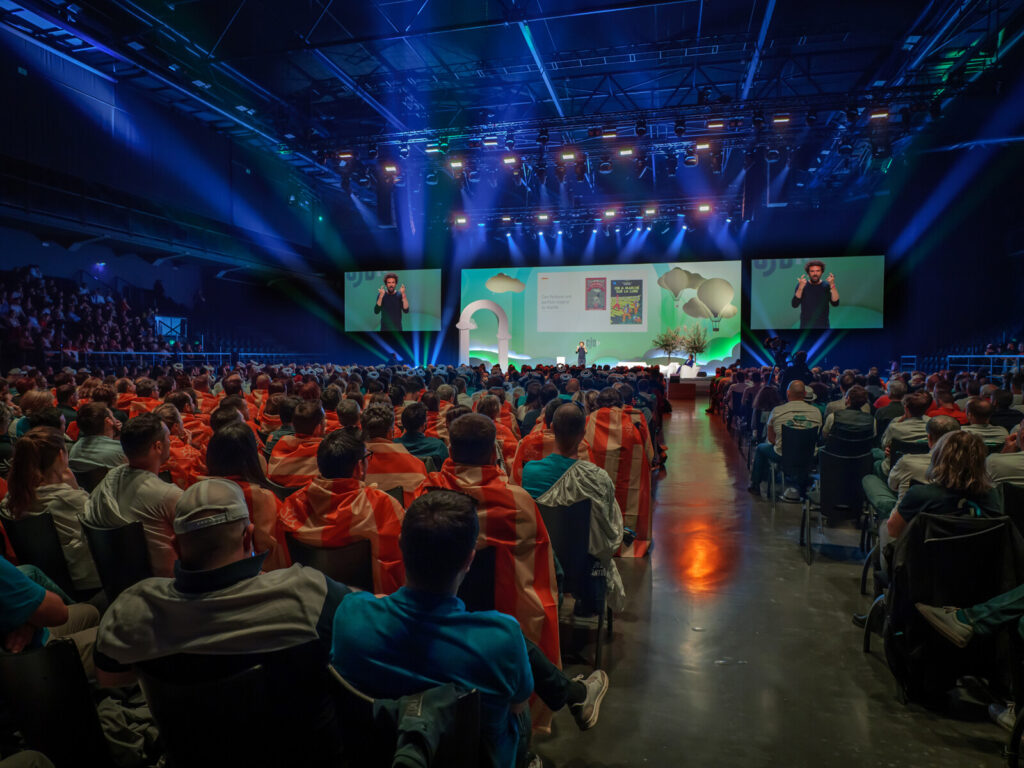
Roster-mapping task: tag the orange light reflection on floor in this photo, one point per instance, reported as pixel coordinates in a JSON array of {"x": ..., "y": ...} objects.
[{"x": 708, "y": 553}]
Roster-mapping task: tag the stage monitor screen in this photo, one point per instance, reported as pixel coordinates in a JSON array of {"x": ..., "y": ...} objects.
[
  {"x": 859, "y": 283},
  {"x": 422, "y": 292},
  {"x": 616, "y": 310}
]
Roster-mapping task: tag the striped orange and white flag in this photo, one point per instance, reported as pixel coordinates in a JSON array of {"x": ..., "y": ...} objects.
[
  {"x": 617, "y": 446},
  {"x": 390, "y": 465},
  {"x": 536, "y": 446},
  {"x": 293, "y": 460},
  {"x": 335, "y": 512}
]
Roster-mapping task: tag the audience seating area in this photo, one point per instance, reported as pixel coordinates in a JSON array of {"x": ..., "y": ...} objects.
[
  {"x": 927, "y": 472},
  {"x": 70, "y": 448}
]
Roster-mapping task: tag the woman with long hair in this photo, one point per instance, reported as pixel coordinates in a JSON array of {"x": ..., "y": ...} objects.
[
  {"x": 40, "y": 483},
  {"x": 234, "y": 455},
  {"x": 958, "y": 484}
]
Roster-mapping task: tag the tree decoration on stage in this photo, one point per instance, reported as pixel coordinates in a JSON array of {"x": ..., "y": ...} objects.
[
  {"x": 668, "y": 341},
  {"x": 694, "y": 339}
]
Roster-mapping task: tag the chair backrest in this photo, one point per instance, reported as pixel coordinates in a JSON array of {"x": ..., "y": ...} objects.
[
  {"x": 121, "y": 556},
  {"x": 797, "y": 449},
  {"x": 246, "y": 709},
  {"x": 899, "y": 448},
  {"x": 370, "y": 741},
  {"x": 35, "y": 542},
  {"x": 736, "y": 403},
  {"x": 282, "y": 491},
  {"x": 52, "y": 704},
  {"x": 1013, "y": 503},
  {"x": 842, "y": 495},
  {"x": 477, "y": 590},
  {"x": 569, "y": 532},
  {"x": 90, "y": 479},
  {"x": 397, "y": 493},
  {"x": 165, "y": 475},
  {"x": 351, "y": 564},
  {"x": 428, "y": 462},
  {"x": 841, "y": 446}
]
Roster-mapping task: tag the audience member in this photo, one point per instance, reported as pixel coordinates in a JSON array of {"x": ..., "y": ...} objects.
[
  {"x": 293, "y": 459},
  {"x": 795, "y": 412},
  {"x": 390, "y": 465},
  {"x": 97, "y": 446},
  {"x": 979, "y": 414},
  {"x": 414, "y": 417}
]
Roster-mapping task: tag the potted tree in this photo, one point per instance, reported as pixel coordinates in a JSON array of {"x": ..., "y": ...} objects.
[
  {"x": 668, "y": 341},
  {"x": 694, "y": 339}
]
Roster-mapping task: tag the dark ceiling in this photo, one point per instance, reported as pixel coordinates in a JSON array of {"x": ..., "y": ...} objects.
[{"x": 344, "y": 89}]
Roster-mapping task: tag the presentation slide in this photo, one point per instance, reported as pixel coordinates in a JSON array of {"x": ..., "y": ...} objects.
[
  {"x": 422, "y": 290},
  {"x": 859, "y": 283},
  {"x": 616, "y": 309}
]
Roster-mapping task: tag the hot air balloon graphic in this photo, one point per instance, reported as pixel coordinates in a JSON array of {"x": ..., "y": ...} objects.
[{"x": 716, "y": 294}]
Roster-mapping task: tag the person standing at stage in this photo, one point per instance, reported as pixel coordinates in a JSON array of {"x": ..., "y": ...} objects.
[
  {"x": 391, "y": 304},
  {"x": 581, "y": 354},
  {"x": 814, "y": 296}
]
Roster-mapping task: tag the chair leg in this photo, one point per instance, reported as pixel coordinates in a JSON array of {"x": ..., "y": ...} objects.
[
  {"x": 868, "y": 562},
  {"x": 609, "y": 623},
  {"x": 878, "y": 605},
  {"x": 600, "y": 634}
]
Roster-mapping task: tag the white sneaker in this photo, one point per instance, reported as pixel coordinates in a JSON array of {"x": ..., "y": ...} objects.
[
  {"x": 1004, "y": 716},
  {"x": 791, "y": 494}
]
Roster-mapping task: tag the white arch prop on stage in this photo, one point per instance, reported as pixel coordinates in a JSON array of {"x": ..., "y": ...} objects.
[{"x": 466, "y": 324}]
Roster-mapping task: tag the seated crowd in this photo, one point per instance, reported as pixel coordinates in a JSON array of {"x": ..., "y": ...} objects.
[
  {"x": 230, "y": 472},
  {"x": 946, "y": 446}
]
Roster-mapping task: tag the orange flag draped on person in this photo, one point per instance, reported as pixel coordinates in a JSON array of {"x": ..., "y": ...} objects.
[
  {"x": 293, "y": 460},
  {"x": 186, "y": 464},
  {"x": 390, "y": 465},
  {"x": 524, "y": 567},
  {"x": 333, "y": 513},
  {"x": 536, "y": 446},
  {"x": 617, "y": 446},
  {"x": 141, "y": 405}
]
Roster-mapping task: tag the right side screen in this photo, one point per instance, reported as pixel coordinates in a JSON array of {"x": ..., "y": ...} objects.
[{"x": 859, "y": 282}]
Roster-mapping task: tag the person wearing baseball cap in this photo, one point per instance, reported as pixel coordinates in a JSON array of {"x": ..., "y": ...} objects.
[{"x": 218, "y": 601}]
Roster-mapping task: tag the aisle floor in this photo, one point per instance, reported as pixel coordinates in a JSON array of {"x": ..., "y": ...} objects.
[{"x": 733, "y": 652}]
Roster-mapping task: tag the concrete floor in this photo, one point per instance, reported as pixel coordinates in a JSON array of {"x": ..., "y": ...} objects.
[{"x": 733, "y": 652}]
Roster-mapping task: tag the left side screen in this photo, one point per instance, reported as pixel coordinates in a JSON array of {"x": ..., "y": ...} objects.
[{"x": 422, "y": 290}]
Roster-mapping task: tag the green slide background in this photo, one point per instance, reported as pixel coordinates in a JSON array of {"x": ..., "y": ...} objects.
[{"x": 422, "y": 287}]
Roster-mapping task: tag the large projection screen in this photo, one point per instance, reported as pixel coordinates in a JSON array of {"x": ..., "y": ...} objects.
[{"x": 616, "y": 309}]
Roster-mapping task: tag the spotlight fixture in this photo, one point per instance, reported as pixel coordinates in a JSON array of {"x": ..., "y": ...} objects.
[
  {"x": 541, "y": 170},
  {"x": 455, "y": 164},
  {"x": 510, "y": 140},
  {"x": 680, "y": 127},
  {"x": 812, "y": 118},
  {"x": 461, "y": 220},
  {"x": 648, "y": 212},
  {"x": 442, "y": 145},
  {"x": 690, "y": 159},
  {"x": 758, "y": 120},
  {"x": 568, "y": 156},
  {"x": 430, "y": 179},
  {"x": 403, "y": 150},
  {"x": 508, "y": 160},
  {"x": 542, "y": 136},
  {"x": 371, "y": 152},
  {"x": 610, "y": 213},
  {"x": 671, "y": 163},
  {"x": 641, "y": 128},
  {"x": 560, "y": 173},
  {"x": 704, "y": 208},
  {"x": 506, "y": 219},
  {"x": 781, "y": 119},
  {"x": 473, "y": 176},
  {"x": 542, "y": 217},
  {"x": 715, "y": 124},
  {"x": 772, "y": 155},
  {"x": 432, "y": 148},
  {"x": 490, "y": 141},
  {"x": 735, "y": 124},
  {"x": 880, "y": 114},
  {"x": 390, "y": 168},
  {"x": 345, "y": 156},
  {"x": 700, "y": 147},
  {"x": 606, "y": 165},
  {"x": 626, "y": 152},
  {"x": 609, "y": 132}
]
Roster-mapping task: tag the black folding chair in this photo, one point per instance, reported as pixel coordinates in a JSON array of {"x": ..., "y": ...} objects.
[
  {"x": 282, "y": 491},
  {"x": 351, "y": 564},
  {"x": 370, "y": 739},
  {"x": 35, "y": 542},
  {"x": 583, "y": 575},
  {"x": 797, "y": 459},
  {"x": 1013, "y": 504},
  {"x": 245, "y": 709},
  {"x": 121, "y": 556},
  {"x": 51, "y": 704},
  {"x": 839, "y": 494},
  {"x": 397, "y": 493},
  {"x": 839, "y": 446},
  {"x": 90, "y": 479},
  {"x": 477, "y": 589}
]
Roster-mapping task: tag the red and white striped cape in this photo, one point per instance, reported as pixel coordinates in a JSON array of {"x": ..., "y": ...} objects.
[
  {"x": 617, "y": 446},
  {"x": 293, "y": 460},
  {"x": 141, "y": 405},
  {"x": 509, "y": 443},
  {"x": 442, "y": 426},
  {"x": 508, "y": 418},
  {"x": 390, "y": 465},
  {"x": 206, "y": 402},
  {"x": 268, "y": 422},
  {"x": 640, "y": 421},
  {"x": 434, "y": 423},
  {"x": 268, "y": 535},
  {"x": 186, "y": 463},
  {"x": 536, "y": 446},
  {"x": 524, "y": 577},
  {"x": 335, "y": 512}
]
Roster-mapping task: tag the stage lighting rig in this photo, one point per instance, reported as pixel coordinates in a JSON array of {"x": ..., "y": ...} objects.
[
  {"x": 542, "y": 136},
  {"x": 510, "y": 140},
  {"x": 605, "y": 166},
  {"x": 371, "y": 152},
  {"x": 680, "y": 127},
  {"x": 540, "y": 170},
  {"x": 671, "y": 163},
  {"x": 690, "y": 159},
  {"x": 641, "y": 129},
  {"x": 403, "y": 150},
  {"x": 560, "y": 172}
]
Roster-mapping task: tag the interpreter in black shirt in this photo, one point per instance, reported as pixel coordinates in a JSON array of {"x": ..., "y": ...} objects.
[
  {"x": 391, "y": 303},
  {"x": 814, "y": 296}
]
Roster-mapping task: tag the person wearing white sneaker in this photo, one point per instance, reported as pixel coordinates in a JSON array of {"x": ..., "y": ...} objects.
[{"x": 422, "y": 636}]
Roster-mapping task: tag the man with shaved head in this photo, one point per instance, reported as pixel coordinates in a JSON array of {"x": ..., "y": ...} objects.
[{"x": 795, "y": 412}]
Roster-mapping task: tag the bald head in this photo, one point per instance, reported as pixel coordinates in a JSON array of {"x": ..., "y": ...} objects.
[{"x": 797, "y": 390}]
